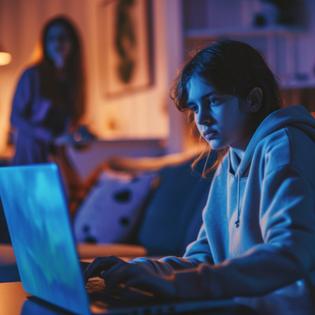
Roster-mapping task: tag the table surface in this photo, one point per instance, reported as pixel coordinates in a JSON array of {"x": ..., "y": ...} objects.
[
  {"x": 14, "y": 301},
  {"x": 85, "y": 251}
]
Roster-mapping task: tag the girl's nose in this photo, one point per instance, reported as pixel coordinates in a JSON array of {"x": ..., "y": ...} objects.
[{"x": 204, "y": 117}]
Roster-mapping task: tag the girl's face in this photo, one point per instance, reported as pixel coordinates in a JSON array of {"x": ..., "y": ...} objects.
[
  {"x": 218, "y": 117},
  {"x": 58, "y": 44}
]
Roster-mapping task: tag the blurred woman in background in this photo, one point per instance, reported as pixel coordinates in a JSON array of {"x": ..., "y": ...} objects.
[{"x": 49, "y": 100}]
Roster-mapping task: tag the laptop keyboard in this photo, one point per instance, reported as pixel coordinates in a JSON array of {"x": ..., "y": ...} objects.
[{"x": 97, "y": 291}]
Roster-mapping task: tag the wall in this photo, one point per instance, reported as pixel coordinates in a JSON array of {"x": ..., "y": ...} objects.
[{"x": 139, "y": 115}]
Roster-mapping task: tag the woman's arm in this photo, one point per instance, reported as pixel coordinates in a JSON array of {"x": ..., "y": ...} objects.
[{"x": 22, "y": 106}]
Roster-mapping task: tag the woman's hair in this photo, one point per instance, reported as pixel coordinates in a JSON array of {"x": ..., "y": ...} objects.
[
  {"x": 234, "y": 68},
  {"x": 74, "y": 68}
]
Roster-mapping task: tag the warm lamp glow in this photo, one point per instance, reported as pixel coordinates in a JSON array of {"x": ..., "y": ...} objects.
[{"x": 5, "y": 58}]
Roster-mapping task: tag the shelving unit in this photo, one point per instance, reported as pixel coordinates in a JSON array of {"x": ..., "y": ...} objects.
[{"x": 278, "y": 44}]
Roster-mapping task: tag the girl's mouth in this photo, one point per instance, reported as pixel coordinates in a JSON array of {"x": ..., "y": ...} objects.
[{"x": 210, "y": 135}]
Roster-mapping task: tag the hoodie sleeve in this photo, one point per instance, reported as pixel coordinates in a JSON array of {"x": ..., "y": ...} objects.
[
  {"x": 287, "y": 222},
  {"x": 22, "y": 107},
  {"x": 197, "y": 252}
]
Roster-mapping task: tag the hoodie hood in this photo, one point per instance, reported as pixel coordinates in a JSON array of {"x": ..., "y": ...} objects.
[{"x": 295, "y": 115}]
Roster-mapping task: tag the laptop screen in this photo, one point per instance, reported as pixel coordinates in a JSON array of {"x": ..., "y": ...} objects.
[{"x": 37, "y": 216}]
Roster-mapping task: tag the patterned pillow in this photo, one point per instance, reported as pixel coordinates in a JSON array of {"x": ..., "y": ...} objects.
[{"x": 113, "y": 207}]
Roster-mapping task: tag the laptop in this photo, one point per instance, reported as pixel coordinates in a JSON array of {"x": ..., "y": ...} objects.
[{"x": 37, "y": 215}]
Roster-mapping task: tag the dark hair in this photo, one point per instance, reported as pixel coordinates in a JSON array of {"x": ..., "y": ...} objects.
[
  {"x": 74, "y": 68},
  {"x": 232, "y": 67}
]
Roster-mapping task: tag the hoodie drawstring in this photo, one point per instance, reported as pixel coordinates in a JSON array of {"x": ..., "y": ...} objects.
[{"x": 237, "y": 221}]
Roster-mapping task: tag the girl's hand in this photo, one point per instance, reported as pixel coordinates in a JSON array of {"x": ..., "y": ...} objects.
[
  {"x": 117, "y": 273},
  {"x": 99, "y": 264},
  {"x": 140, "y": 276}
]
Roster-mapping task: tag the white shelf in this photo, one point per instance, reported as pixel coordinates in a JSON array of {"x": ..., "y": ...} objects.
[{"x": 243, "y": 32}]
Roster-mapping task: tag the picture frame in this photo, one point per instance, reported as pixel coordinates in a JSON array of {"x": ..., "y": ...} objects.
[{"x": 125, "y": 46}]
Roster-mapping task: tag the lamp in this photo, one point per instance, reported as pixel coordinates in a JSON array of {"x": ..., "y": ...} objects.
[{"x": 5, "y": 57}]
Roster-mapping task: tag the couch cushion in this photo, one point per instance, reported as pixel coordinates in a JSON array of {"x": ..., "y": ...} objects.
[{"x": 112, "y": 208}]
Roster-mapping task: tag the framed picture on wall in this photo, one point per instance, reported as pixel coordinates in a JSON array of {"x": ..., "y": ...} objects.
[{"x": 125, "y": 46}]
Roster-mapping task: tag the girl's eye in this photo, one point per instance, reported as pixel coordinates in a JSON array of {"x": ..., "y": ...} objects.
[{"x": 214, "y": 101}]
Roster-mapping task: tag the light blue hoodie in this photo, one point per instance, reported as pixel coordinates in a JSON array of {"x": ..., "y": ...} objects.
[{"x": 257, "y": 241}]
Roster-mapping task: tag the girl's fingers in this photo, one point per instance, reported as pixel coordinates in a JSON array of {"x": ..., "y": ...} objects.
[
  {"x": 100, "y": 264},
  {"x": 118, "y": 274},
  {"x": 138, "y": 277}
]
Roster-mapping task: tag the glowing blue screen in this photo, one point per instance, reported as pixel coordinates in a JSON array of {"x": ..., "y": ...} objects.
[{"x": 39, "y": 226}]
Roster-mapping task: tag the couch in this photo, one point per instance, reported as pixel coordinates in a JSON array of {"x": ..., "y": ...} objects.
[{"x": 170, "y": 215}]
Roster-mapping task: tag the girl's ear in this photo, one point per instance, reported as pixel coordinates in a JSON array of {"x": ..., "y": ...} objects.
[{"x": 254, "y": 100}]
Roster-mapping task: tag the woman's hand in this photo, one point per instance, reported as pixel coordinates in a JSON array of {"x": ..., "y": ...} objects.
[{"x": 117, "y": 272}]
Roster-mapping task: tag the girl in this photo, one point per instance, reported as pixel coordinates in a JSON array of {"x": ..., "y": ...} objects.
[
  {"x": 49, "y": 100},
  {"x": 258, "y": 234}
]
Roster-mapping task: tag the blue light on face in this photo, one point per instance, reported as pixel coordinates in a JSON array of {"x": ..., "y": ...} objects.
[{"x": 39, "y": 226}]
